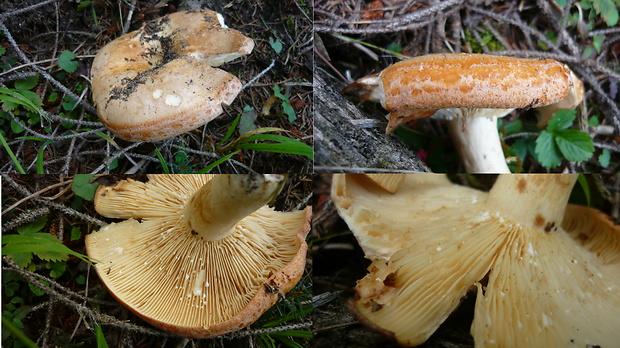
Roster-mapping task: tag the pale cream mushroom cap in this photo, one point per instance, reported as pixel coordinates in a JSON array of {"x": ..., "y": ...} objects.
[
  {"x": 548, "y": 287},
  {"x": 174, "y": 279},
  {"x": 160, "y": 81}
]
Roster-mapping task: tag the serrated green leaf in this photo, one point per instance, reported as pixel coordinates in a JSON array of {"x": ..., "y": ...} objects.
[
  {"x": 31, "y": 227},
  {"x": 561, "y": 120},
  {"x": 576, "y": 146},
  {"x": 22, "y": 259},
  {"x": 604, "y": 158},
  {"x": 82, "y": 186},
  {"x": 44, "y": 245},
  {"x": 549, "y": 154},
  {"x": 27, "y": 84},
  {"x": 66, "y": 61}
]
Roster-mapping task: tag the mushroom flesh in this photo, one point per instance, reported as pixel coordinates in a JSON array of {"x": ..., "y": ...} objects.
[{"x": 547, "y": 274}]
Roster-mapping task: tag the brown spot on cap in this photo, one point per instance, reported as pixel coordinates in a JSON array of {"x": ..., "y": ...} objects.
[
  {"x": 521, "y": 185},
  {"x": 539, "y": 221}
]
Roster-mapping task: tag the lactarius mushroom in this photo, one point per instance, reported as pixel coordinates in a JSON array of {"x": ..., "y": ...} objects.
[
  {"x": 161, "y": 81},
  {"x": 546, "y": 275},
  {"x": 199, "y": 255},
  {"x": 469, "y": 90}
]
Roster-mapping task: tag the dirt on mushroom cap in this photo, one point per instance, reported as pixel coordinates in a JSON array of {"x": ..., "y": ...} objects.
[{"x": 160, "y": 81}]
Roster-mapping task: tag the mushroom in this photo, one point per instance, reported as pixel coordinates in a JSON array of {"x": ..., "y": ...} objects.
[
  {"x": 546, "y": 274},
  {"x": 199, "y": 255},
  {"x": 161, "y": 81},
  {"x": 574, "y": 98},
  {"x": 470, "y": 91}
]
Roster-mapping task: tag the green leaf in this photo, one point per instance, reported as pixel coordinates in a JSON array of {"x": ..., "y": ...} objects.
[
  {"x": 46, "y": 246},
  {"x": 230, "y": 130},
  {"x": 83, "y": 5},
  {"x": 576, "y": 146},
  {"x": 289, "y": 111},
  {"x": 83, "y": 187},
  {"x": 583, "y": 183},
  {"x": 27, "y": 84},
  {"x": 217, "y": 163},
  {"x": 395, "y": 48},
  {"x": 14, "y": 330},
  {"x": 247, "y": 120},
  {"x": 66, "y": 61},
  {"x": 37, "y": 291},
  {"x": 101, "y": 342},
  {"x": 607, "y": 10},
  {"x": 286, "y": 104},
  {"x": 562, "y": 3},
  {"x": 597, "y": 42},
  {"x": 593, "y": 121},
  {"x": 69, "y": 103},
  {"x": 283, "y": 145},
  {"x": 19, "y": 167},
  {"x": 549, "y": 154},
  {"x": 16, "y": 127},
  {"x": 39, "y": 162},
  {"x": 32, "y": 227},
  {"x": 76, "y": 233},
  {"x": 56, "y": 268},
  {"x": 162, "y": 161},
  {"x": 513, "y": 127},
  {"x": 561, "y": 120},
  {"x": 604, "y": 158},
  {"x": 275, "y": 44}
]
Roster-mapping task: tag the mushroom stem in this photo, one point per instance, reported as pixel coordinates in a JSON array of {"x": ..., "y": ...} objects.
[
  {"x": 214, "y": 210},
  {"x": 477, "y": 141},
  {"x": 535, "y": 200}
]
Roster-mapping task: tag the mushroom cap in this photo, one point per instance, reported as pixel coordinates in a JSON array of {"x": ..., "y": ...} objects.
[
  {"x": 176, "y": 281},
  {"x": 160, "y": 81},
  {"x": 439, "y": 81},
  {"x": 419, "y": 87},
  {"x": 548, "y": 285}
]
